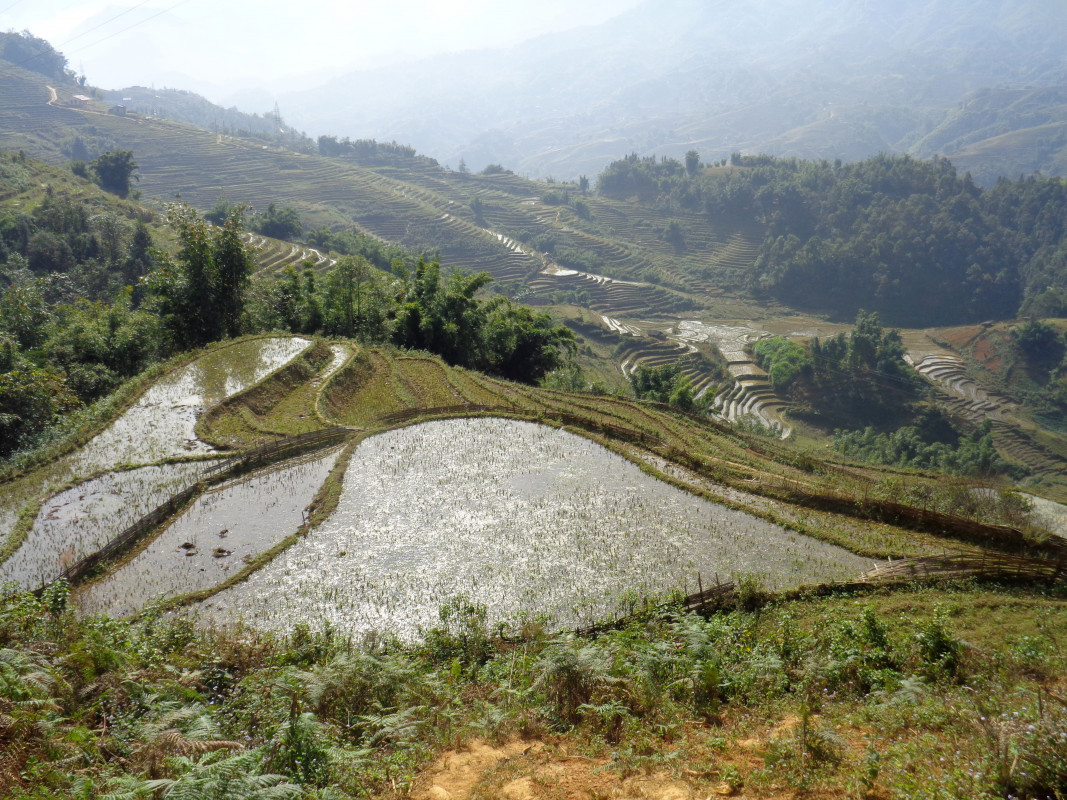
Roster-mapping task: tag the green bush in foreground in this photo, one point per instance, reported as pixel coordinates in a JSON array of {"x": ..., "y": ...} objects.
[{"x": 845, "y": 694}]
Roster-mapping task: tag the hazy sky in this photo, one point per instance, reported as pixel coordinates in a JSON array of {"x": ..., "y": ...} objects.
[{"x": 222, "y": 48}]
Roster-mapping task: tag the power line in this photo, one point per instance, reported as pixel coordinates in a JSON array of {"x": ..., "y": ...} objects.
[
  {"x": 105, "y": 22},
  {"x": 131, "y": 27},
  {"x": 33, "y": 58},
  {"x": 16, "y": 3}
]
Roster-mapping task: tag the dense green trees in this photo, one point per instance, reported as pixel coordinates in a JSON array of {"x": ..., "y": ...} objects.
[
  {"x": 494, "y": 336},
  {"x": 69, "y": 331},
  {"x": 97, "y": 345},
  {"x": 357, "y": 300},
  {"x": 912, "y": 240},
  {"x": 861, "y": 377},
  {"x": 911, "y": 446},
  {"x": 279, "y": 223},
  {"x": 1039, "y": 341},
  {"x": 34, "y": 54},
  {"x": 784, "y": 360},
  {"x": 664, "y": 384},
  {"x": 201, "y": 295},
  {"x": 31, "y": 397},
  {"x": 417, "y": 309},
  {"x": 371, "y": 152}
]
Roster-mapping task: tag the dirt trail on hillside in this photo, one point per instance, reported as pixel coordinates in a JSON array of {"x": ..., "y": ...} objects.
[
  {"x": 532, "y": 771},
  {"x": 535, "y": 770}
]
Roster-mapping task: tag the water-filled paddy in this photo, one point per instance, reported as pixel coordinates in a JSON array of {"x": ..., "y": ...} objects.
[
  {"x": 521, "y": 517},
  {"x": 80, "y": 520},
  {"x": 1049, "y": 513},
  {"x": 215, "y": 537},
  {"x": 160, "y": 425}
]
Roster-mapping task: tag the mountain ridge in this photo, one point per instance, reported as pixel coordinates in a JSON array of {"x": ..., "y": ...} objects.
[{"x": 698, "y": 73}]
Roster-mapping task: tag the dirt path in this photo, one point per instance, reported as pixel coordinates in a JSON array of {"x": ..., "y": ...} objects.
[
  {"x": 525, "y": 770},
  {"x": 54, "y": 98}
]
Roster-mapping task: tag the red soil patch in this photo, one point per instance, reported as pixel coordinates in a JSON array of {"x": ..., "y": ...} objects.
[
  {"x": 985, "y": 354},
  {"x": 957, "y": 338}
]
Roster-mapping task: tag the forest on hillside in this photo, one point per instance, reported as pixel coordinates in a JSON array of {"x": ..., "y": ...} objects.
[{"x": 912, "y": 240}]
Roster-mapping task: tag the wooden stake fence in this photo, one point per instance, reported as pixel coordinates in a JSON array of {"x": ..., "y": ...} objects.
[{"x": 958, "y": 566}]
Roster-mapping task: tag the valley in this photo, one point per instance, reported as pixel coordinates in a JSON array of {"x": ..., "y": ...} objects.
[{"x": 332, "y": 472}]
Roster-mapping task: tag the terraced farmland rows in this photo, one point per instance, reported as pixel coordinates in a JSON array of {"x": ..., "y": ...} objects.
[
  {"x": 653, "y": 352},
  {"x": 1021, "y": 447},
  {"x": 607, "y": 296},
  {"x": 272, "y": 255},
  {"x": 753, "y": 398},
  {"x": 946, "y": 371}
]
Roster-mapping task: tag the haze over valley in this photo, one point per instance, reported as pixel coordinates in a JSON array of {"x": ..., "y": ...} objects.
[{"x": 617, "y": 398}]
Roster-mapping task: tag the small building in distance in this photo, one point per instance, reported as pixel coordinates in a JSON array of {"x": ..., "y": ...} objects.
[
  {"x": 118, "y": 111},
  {"x": 80, "y": 100}
]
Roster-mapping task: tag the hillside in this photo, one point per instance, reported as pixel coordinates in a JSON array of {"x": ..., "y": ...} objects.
[
  {"x": 824, "y": 80},
  {"x": 643, "y": 284},
  {"x": 1003, "y": 133},
  {"x": 298, "y": 502},
  {"x": 391, "y": 675}
]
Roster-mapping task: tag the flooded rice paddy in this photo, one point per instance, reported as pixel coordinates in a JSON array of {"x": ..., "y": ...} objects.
[
  {"x": 527, "y": 519},
  {"x": 220, "y": 532},
  {"x": 160, "y": 425},
  {"x": 80, "y": 520},
  {"x": 1049, "y": 513}
]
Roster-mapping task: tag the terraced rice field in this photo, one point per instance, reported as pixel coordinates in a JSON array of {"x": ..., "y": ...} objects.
[
  {"x": 964, "y": 397},
  {"x": 79, "y": 521},
  {"x": 161, "y": 424},
  {"x": 650, "y": 351},
  {"x": 1051, "y": 514},
  {"x": 526, "y": 519},
  {"x": 946, "y": 370},
  {"x": 223, "y": 530},
  {"x": 273, "y": 255}
]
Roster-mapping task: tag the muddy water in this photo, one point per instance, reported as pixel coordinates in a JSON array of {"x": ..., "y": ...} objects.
[
  {"x": 220, "y": 532},
  {"x": 1049, "y": 513},
  {"x": 81, "y": 520},
  {"x": 526, "y": 519}
]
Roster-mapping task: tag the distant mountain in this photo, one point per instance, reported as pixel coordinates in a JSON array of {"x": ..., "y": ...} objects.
[
  {"x": 1008, "y": 132},
  {"x": 834, "y": 79}
]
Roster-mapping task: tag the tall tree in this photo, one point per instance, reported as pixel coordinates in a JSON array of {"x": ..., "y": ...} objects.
[
  {"x": 202, "y": 296},
  {"x": 692, "y": 162},
  {"x": 114, "y": 171},
  {"x": 232, "y": 270}
]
